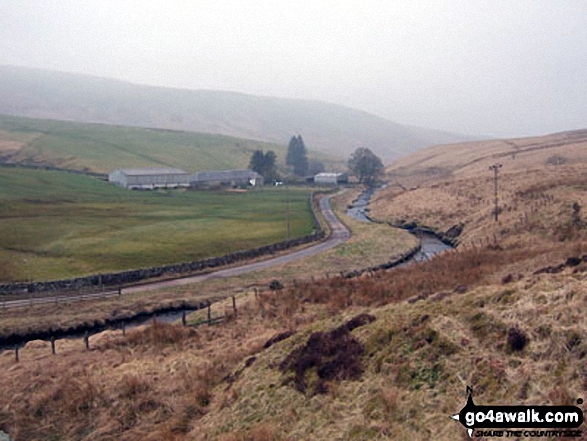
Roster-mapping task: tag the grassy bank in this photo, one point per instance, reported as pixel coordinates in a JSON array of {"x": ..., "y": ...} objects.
[
  {"x": 58, "y": 225},
  {"x": 370, "y": 244},
  {"x": 103, "y": 148},
  {"x": 383, "y": 356}
]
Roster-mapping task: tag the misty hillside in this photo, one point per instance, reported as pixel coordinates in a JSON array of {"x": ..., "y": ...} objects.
[
  {"x": 325, "y": 127},
  {"x": 471, "y": 158},
  {"x": 102, "y": 148}
]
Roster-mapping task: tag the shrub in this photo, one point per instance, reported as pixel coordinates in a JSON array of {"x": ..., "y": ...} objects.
[
  {"x": 517, "y": 339},
  {"x": 334, "y": 355}
]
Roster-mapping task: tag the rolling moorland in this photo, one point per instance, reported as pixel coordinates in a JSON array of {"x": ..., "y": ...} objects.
[
  {"x": 102, "y": 148},
  {"x": 387, "y": 355},
  {"x": 327, "y": 128},
  {"x": 59, "y": 225}
]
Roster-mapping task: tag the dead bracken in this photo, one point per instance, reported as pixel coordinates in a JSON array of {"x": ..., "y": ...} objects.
[
  {"x": 517, "y": 339},
  {"x": 334, "y": 356}
]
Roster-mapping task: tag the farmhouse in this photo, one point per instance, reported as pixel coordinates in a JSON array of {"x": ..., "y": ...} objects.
[
  {"x": 331, "y": 178},
  {"x": 232, "y": 178},
  {"x": 150, "y": 178}
]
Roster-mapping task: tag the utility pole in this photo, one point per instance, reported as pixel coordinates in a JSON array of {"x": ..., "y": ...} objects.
[
  {"x": 495, "y": 168},
  {"x": 288, "y": 218}
]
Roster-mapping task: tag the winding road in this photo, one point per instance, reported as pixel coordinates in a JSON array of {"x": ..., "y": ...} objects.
[{"x": 339, "y": 234}]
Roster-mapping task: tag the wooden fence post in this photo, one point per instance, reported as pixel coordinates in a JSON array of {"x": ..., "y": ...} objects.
[
  {"x": 16, "y": 354},
  {"x": 123, "y": 329},
  {"x": 183, "y": 318},
  {"x": 87, "y": 340},
  {"x": 53, "y": 345},
  {"x": 209, "y": 313},
  {"x": 234, "y": 305}
]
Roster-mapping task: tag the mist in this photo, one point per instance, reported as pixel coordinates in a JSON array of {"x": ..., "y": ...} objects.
[{"x": 497, "y": 68}]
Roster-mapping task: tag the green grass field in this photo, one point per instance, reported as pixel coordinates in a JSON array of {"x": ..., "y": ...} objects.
[
  {"x": 103, "y": 148},
  {"x": 57, "y": 225}
]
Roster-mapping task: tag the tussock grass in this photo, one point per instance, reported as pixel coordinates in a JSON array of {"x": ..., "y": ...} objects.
[
  {"x": 535, "y": 205},
  {"x": 505, "y": 318},
  {"x": 221, "y": 382}
]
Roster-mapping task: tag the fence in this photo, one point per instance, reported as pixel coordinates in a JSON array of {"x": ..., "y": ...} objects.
[{"x": 16, "y": 342}]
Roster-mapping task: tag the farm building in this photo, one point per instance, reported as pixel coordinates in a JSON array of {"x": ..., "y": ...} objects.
[
  {"x": 331, "y": 178},
  {"x": 150, "y": 178},
  {"x": 232, "y": 178}
]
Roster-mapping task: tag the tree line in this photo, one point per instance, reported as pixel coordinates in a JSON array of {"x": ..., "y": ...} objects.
[{"x": 363, "y": 163}]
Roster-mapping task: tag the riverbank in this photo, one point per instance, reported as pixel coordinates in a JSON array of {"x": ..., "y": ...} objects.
[{"x": 370, "y": 246}]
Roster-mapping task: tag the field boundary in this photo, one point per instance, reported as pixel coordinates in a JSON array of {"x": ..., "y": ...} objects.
[
  {"x": 101, "y": 176},
  {"x": 99, "y": 282}
]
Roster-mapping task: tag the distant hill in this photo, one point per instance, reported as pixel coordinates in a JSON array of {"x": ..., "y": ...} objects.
[
  {"x": 473, "y": 158},
  {"x": 325, "y": 127},
  {"x": 102, "y": 148}
]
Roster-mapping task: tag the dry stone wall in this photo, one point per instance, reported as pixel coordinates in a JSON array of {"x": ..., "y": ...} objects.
[{"x": 124, "y": 278}]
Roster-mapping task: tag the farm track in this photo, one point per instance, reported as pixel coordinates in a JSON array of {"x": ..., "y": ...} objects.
[{"x": 339, "y": 234}]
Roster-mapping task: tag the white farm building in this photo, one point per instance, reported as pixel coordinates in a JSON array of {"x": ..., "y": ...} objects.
[
  {"x": 150, "y": 178},
  {"x": 331, "y": 178}
]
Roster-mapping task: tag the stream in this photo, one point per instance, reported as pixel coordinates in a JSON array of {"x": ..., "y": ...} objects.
[
  {"x": 359, "y": 210},
  {"x": 431, "y": 245}
]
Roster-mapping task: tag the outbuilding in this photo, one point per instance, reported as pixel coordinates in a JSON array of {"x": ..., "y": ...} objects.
[
  {"x": 227, "y": 178},
  {"x": 331, "y": 178},
  {"x": 150, "y": 178}
]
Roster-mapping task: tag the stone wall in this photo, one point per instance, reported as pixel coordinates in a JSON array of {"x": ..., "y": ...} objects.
[
  {"x": 102, "y": 176},
  {"x": 116, "y": 279}
]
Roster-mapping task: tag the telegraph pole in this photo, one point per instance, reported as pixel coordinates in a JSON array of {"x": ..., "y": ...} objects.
[
  {"x": 288, "y": 218},
  {"x": 495, "y": 168}
]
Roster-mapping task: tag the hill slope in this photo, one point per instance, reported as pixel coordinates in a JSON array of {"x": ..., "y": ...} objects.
[
  {"x": 102, "y": 148},
  {"x": 472, "y": 158},
  {"x": 540, "y": 180},
  {"x": 325, "y": 127},
  {"x": 385, "y": 356}
]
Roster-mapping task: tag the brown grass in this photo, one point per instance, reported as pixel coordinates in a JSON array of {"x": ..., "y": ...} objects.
[
  {"x": 484, "y": 316},
  {"x": 169, "y": 382},
  {"x": 370, "y": 245},
  {"x": 536, "y": 206},
  {"x": 457, "y": 161}
]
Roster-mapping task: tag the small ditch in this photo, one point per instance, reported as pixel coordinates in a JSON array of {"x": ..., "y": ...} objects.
[
  {"x": 162, "y": 315},
  {"x": 359, "y": 210}
]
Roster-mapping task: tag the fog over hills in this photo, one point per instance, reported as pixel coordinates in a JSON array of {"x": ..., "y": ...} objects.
[{"x": 325, "y": 127}]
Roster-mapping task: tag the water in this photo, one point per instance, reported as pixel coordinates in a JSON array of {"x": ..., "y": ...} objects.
[
  {"x": 431, "y": 245},
  {"x": 360, "y": 207},
  {"x": 161, "y": 317}
]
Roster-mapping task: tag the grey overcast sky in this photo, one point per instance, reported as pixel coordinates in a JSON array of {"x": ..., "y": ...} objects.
[{"x": 491, "y": 67}]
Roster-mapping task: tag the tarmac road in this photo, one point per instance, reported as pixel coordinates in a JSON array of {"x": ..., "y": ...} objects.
[{"x": 340, "y": 234}]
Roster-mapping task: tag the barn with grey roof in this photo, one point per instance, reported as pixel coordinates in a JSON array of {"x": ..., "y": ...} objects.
[
  {"x": 232, "y": 178},
  {"x": 150, "y": 178}
]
